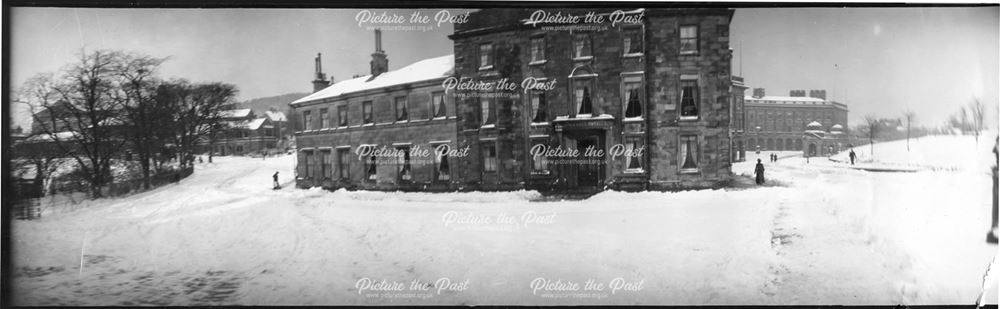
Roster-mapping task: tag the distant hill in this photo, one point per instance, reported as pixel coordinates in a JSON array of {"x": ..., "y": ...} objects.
[{"x": 279, "y": 102}]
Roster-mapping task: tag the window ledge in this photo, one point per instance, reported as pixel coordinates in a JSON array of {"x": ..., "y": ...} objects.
[
  {"x": 539, "y": 124},
  {"x": 689, "y": 53},
  {"x": 538, "y": 62},
  {"x": 484, "y": 68},
  {"x": 688, "y": 118},
  {"x": 689, "y": 171},
  {"x": 488, "y": 126},
  {"x": 632, "y": 55},
  {"x": 540, "y": 173},
  {"x": 635, "y": 171},
  {"x": 633, "y": 119},
  {"x": 440, "y": 118},
  {"x": 584, "y": 58}
]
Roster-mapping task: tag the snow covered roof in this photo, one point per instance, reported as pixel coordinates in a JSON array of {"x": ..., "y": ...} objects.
[
  {"x": 783, "y": 99},
  {"x": 426, "y": 69},
  {"x": 65, "y": 135},
  {"x": 814, "y": 124},
  {"x": 246, "y": 124},
  {"x": 837, "y": 127},
  {"x": 235, "y": 113},
  {"x": 255, "y": 124},
  {"x": 275, "y": 116}
]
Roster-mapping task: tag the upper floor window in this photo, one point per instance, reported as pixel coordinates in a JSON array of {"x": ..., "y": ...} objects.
[
  {"x": 485, "y": 56},
  {"x": 689, "y": 98},
  {"x": 633, "y": 41},
  {"x": 401, "y": 114},
  {"x": 324, "y": 120},
  {"x": 538, "y": 107},
  {"x": 307, "y": 120},
  {"x": 632, "y": 87},
  {"x": 581, "y": 45},
  {"x": 342, "y": 116},
  {"x": 437, "y": 102},
  {"x": 487, "y": 107},
  {"x": 582, "y": 95},
  {"x": 537, "y": 49},
  {"x": 689, "y": 40},
  {"x": 366, "y": 111},
  {"x": 489, "y": 157}
]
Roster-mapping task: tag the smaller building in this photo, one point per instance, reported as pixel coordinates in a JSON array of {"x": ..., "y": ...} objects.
[
  {"x": 245, "y": 133},
  {"x": 822, "y": 143}
]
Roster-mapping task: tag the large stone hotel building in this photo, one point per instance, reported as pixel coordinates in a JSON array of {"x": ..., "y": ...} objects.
[{"x": 645, "y": 103}]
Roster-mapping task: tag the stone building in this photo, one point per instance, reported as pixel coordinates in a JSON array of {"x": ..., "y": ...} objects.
[
  {"x": 777, "y": 123},
  {"x": 645, "y": 103},
  {"x": 379, "y": 131},
  {"x": 658, "y": 88},
  {"x": 739, "y": 120},
  {"x": 245, "y": 133}
]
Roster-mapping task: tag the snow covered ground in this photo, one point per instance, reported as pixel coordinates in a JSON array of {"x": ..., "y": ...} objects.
[{"x": 818, "y": 233}]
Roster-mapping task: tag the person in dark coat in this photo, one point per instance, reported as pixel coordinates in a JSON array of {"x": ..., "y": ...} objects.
[
  {"x": 275, "y": 177},
  {"x": 759, "y": 171},
  {"x": 853, "y": 156}
]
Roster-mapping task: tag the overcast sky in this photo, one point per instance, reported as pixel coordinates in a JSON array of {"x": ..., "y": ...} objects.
[{"x": 878, "y": 61}]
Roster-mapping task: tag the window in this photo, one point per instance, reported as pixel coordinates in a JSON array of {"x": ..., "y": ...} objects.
[
  {"x": 633, "y": 96},
  {"x": 689, "y": 40},
  {"x": 342, "y": 116},
  {"x": 324, "y": 122},
  {"x": 307, "y": 120},
  {"x": 537, "y": 49},
  {"x": 539, "y": 162},
  {"x": 306, "y": 162},
  {"x": 401, "y": 109},
  {"x": 366, "y": 110},
  {"x": 326, "y": 167},
  {"x": 538, "y": 107},
  {"x": 487, "y": 107},
  {"x": 343, "y": 165},
  {"x": 403, "y": 170},
  {"x": 442, "y": 170},
  {"x": 633, "y": 41},
  {"x": 485, "y": 56},
  {"x": 489, "y": 157},
  {"x": 581, "y": 93},
  {"x": 581, "y": 45},
  {"x": 634, "y": 153},
  {"x": 689, "y": 153},
  {"x": 370, "y": 168},
  {"x": 437, "y": 102},
  {"x": 689, "y": 98}
]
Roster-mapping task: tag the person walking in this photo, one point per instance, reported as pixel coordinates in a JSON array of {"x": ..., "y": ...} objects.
[
  {"x": 759, "y": 171},
  {"x": 853, "y": 156},
  {"x": 275, "y": 177}
]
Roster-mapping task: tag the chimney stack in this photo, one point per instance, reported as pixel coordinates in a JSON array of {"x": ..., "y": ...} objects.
[
  {"x": 819, "y": 94},
  {"x": 380, "y": 62},
  {"x": 758, "y": 92},
  {"x": 320, "y": 82},
  {"x": 797, "y": 93}
]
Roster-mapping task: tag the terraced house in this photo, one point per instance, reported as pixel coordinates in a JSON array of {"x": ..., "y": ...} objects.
[{"x": 644, "y": 103}]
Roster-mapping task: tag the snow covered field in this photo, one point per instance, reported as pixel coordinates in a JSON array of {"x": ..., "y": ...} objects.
[{"x": 818, "y": 233}]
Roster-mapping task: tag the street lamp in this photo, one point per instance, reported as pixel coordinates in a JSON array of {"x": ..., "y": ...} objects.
[{"x": 757, "y": 139}]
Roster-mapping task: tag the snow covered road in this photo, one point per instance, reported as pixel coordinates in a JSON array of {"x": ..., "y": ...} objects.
[{"x": 819, "y": 234}]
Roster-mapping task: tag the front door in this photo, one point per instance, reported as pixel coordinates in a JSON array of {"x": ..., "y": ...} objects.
[{"x": 590, "y": 167}]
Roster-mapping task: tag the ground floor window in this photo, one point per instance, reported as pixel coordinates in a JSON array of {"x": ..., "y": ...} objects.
[
  {"x": 539, "y": 162},
  {"x": 634, "y": 153},
  {"x": 689, "y": 153},
  {"x": 489, "y": 155},
  {"x": 442, "y": 170},
  {"x": 306, "y": 162},
  {"x": 326, "y": 167},
  {"x": 343, "y": 155},
  {"x": 403, "y": 170},
  {"x": 370, "y": 168}
]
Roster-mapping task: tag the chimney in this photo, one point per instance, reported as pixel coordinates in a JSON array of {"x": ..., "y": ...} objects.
[
  {"x": 758, "y": 92},
  {"x": 819, "y": 94},
  {"x": 320, "y": 82},
  {"x": 379, "y": 63},
  {"x": 797, "y": 93}
]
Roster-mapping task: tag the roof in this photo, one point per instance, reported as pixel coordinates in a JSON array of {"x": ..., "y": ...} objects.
[
  {"x": 783, "y": 99},
  {"x": 814, "y": 124},
  {"x": 255, "y": 124},
  {"x": 427, "y": 69},
  {"x": 235, "y": 113},
  {"x": 276, "y": 116},
  {"x": 246, "y": 124}
]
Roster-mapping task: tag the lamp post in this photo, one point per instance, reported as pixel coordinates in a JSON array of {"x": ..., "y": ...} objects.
[{"x": 757, "y": 147}]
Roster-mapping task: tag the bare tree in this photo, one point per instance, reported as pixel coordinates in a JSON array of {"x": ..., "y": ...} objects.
[
  {"x": 197, "y": 113},
  {"x": 144, "y": 116},
  {"x": 872, "y": 128},
  {"x": 83, "y": 120},
  {"x": 976, "y": 113},
  {"x": 909, "y": 116}
]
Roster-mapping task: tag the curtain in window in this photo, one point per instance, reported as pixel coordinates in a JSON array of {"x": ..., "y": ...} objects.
[
  {"x": 538, "y": 104},
  {"x": 689, "y": 149},
  {"x": 371, "y": 167},
  {"x": 632, "y": 162},
  {"x": 632, "y": 97},
  {"x": 487, "y": 110},
  {"x": 439, "y": 108},
  {"x": 688, "y": 104},
  {"x": 444, "y": 172},
  {"x": 583, "y": 99}
]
